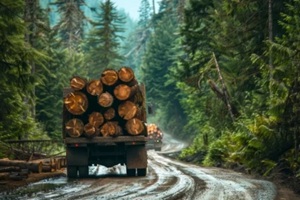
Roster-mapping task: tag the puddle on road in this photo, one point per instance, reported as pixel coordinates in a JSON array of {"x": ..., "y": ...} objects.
[{"x": 45, "y": 189}]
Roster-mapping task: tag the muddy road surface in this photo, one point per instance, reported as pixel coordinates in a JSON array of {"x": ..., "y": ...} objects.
[{"x": 166, "y": 179}]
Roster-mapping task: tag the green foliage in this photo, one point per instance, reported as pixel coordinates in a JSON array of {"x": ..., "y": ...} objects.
[
  {"x": 103, "y": 41},
  {"x": 16, "y": 78},
  {"x": 161, "y": 89}
]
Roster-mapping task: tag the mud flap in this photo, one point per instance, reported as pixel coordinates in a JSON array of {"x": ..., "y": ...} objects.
[
  {"x": 136, "y": 157},
  {"x": 77, "y": 156}
]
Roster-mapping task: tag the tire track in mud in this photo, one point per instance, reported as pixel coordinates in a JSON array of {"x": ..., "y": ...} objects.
[{"x": 224, "y": 184}]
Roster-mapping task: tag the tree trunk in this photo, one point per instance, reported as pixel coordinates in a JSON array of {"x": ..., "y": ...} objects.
[
  {"x": 77, "y": 83},
  {"x": 105, "y": 100},
  {"x": 109, "y": 77},
  {"x": 111, "y": 129},
  {"x": 74, "y": 127},
  {"x": 33, "y": 166},
  {"x": 135, "y": 126},
  {"x": 95, "y": 87},
  {"x": 76, "y": 102}
]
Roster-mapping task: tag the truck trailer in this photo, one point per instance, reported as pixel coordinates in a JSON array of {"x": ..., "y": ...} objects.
[{"x": 104, "y": 122}]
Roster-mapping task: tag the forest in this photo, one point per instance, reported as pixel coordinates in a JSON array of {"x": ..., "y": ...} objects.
[{"x": 220, "y": 74}]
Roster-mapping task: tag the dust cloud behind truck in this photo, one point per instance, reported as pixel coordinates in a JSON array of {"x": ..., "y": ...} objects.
[{"x": 104, "y": 123}]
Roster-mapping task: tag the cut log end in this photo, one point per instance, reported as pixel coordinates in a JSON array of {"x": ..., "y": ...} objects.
[
  {"x": 122, "y": 92},
  {"x": 77, "y": 83},
  {"x": 90, "y": 130},
  {"x": 95, "y": 87},
  {"x": 105, "y": 100},
  {"x": 126, "y": 74},
  {"x": 96, "y": 119},
  {"x": 111, "y": 129},
  {"x": 135, "y": 126},
  {"x": 109, "y": 77},
  {"x": 76, "y": 103},
  {"x": 109, "y": 114},
  {"x": 74, "y": 127},
  {"x": 127, "y": 110}
]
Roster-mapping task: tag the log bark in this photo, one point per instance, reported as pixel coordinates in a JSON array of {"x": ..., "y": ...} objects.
[
  {"x": 77, "y": 83},
  {"x": 105, "y": 100},
  {"x": 33, "y": 166},
  {"x": 109, "y": 77},
  {"x": 109, "y": 114},
  {"x": 76, "y": 102},
  {"x": 96, "y": 119},
  {"x": 94, "y": 87},
  {"x": 127, "y": 110},
  {"x": 135, "y": 126},
  {"x": 74, "y": 127},
  {"x": 126, "y": 74},
  {"x": 111, "y": 129}
]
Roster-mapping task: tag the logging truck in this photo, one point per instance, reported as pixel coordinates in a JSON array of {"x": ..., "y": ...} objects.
[
  {"x": 154, "y": 138},
  {"x": 104, "y": 122}
]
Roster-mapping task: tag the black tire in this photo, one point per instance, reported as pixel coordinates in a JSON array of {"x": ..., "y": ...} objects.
[
  {"x": 72, "y": 172},
  {"x": 130, "y": 172},
  {"x": 83, "y": 171},
  {"x": 142, "y": 172}
]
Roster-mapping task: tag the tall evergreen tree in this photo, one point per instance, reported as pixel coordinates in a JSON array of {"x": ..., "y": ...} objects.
[
  {"x": 71, "y": 23},
  {"x": 158, "y": 59},
  {"x": 104, "y": 40},
  {"x": 16, "y": 79}
]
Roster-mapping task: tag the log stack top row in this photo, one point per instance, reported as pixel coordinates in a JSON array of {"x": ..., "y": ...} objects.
[{"x": 112, "y": 105}]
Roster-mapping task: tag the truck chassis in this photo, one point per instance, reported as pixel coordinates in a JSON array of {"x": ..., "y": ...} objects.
[{"x": 107, "y": 151}]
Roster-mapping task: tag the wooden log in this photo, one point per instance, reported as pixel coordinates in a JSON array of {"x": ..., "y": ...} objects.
[
  {"x": 105, "y": 99},
  {"x": 126, "y": 74},
  {"x": 111, "y": 129},
  {"x": 77, "y": 83},
  {"x": 76, "y": 102},
  {"x": 74, "y": 127},
  {"x": 127, "y": 110},
  {"x": 123, "y": 91},
  {"x": 33, "y": 166},
  {"x": 135, "y": 126},
  {"x": 109, "y": 114},
  {"x": 9, "y": 169},
  {"x": 96, "y": 119},
  {"x": 109, "y": 77},
  {"x": 90, "y": 130},
  {"x": 94, "y": 87},
  {"x": 4, "y": 175}
]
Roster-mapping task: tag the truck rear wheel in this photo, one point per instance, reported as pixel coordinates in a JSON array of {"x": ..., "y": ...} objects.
[
  {"x": 130, "y": 172},
  {"x": 72, "y": 172},
  {"x": 83, "y": 171},
  {"x": 142, "y": 172}
]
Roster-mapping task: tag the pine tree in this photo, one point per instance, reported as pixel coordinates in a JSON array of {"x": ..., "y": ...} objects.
[
  {"x": 16, "y": 79},
  {"x": 104, "y": 40},
  {"x": 71, "y": 23},
  {"x": 158, "y": 59}
]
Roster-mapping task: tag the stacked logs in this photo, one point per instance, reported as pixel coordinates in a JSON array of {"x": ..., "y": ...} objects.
[
  {"x": 20, "y": 169},
  {"x": 110, "y": 106},
  {"x": 154, "y": 131}
]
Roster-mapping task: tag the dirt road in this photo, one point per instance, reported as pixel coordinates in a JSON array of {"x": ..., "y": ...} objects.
[{"x": 166, "y": 179}]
